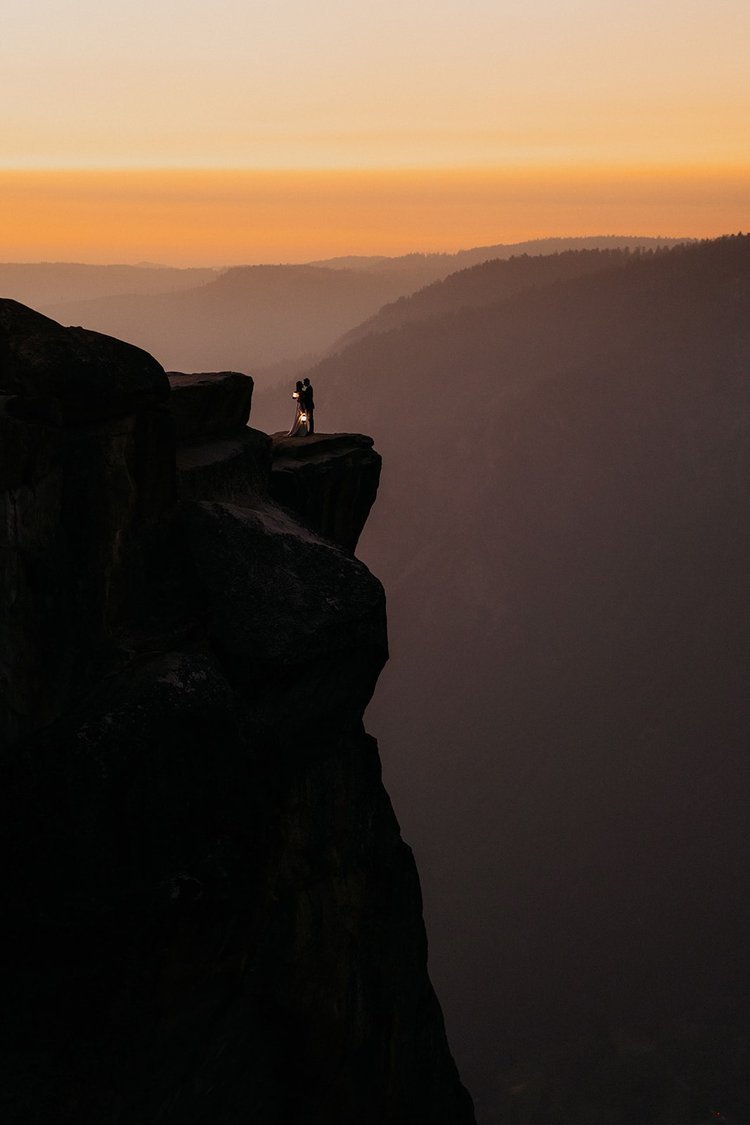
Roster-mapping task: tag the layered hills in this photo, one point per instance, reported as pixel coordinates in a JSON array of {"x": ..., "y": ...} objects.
[
  {"x": 486, "y": 284},
  {"x": 564, "y": 540},
  {"x": 269, "y": 318},
  {"x": 249, "y": 317}
]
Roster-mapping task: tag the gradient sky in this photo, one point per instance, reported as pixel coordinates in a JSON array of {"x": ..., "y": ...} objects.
[{"x": 295, "y": 128}]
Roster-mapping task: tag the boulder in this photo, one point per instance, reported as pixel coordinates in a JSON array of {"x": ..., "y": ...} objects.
[
  {"x": 91, "y": 376},
  {"x": 208, "y": 405}
]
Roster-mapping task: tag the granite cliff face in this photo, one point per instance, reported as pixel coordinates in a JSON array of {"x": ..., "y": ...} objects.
[
  {"x": 329, "y": 480},
  {"x": 213, "y": 915}
]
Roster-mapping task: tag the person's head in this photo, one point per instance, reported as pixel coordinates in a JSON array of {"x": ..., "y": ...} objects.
[
  {"x": 306, "y": 382},
  {"x": 299, "y": 385}
]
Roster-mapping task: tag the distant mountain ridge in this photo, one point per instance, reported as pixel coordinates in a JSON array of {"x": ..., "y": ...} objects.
[
  {"x": 273, "y": 318},
  {"x": 444, "y": 263},
  {"x": 44, "y": 283}
]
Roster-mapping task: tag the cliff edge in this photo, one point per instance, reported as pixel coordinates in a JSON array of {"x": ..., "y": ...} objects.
[{"x": 213, "y": 915}]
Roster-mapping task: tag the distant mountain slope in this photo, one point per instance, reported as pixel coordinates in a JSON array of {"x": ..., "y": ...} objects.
[
  {"x": 44, "y": 283},
  {"x": 564, "y": 538},
  {"x": 476, "y": 286},
  {"x": 248, "y": 317},
  {"x": 434, "y": 266},
  {"x": 486, "y": 284}
]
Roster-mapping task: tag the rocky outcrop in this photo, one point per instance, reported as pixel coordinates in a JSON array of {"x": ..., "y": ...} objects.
[
  {"x": 214, "y": 916},
  {"x": 328, "y": 480},
  {"x": 219, "y": 457},
  {"x": 91, "y": 377},
  {"x": 209, "y": 404}
]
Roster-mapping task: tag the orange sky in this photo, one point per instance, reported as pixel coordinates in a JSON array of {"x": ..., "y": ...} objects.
[
  {"x": 247, "y": 131},
  {"x": 224, "y": 217}
]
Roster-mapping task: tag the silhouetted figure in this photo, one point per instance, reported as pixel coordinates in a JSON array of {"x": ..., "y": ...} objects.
[
  {"x": 308, "y": 405},
  {"x": 300, "y": 423}
]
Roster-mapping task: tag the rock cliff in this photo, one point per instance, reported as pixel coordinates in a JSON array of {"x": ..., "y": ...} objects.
[
  {"x": 329, "y": 480},
  {"x": 214, "y": 918}
]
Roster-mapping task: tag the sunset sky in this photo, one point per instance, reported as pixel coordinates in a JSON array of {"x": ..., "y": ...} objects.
[{"x": 239, "y": 131}]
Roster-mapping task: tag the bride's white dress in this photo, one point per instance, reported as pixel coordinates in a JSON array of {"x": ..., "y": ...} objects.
[{"x": 301, "y": 425}]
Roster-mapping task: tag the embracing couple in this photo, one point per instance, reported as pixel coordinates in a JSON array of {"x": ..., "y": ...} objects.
[{"x": 304, "y": 415}]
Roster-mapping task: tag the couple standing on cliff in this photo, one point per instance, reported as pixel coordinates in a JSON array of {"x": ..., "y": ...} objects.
[{"x": 304, "y": 423}]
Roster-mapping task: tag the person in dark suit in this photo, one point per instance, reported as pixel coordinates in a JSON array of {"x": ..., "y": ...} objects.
[{"x": 308, "y": 405}]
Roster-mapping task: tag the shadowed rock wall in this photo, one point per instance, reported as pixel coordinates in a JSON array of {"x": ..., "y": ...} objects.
[
  {"x": 214, "y": 916},
  {"x": 86, "y": 469}
]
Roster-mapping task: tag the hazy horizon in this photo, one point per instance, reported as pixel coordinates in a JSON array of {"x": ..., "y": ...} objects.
[{"x": 417, "y": 252}]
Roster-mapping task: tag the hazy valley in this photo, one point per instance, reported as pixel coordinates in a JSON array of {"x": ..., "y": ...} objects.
[
  {"x": 561, "y": 530},
  {"x": 267, "y": 319},
  {"x": 563, "y": 537}
]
